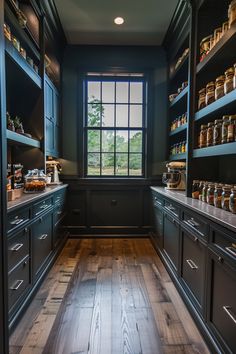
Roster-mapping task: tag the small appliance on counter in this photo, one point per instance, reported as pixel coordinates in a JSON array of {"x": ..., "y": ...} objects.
[
  {"x": 175, "y": 178},
  {"x": 52, "y": 171}
]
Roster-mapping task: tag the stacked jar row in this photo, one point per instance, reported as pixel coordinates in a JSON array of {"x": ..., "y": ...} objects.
[
  {"x": 179, "y": 148},
  {"x": 220, "y": 131},
  {"x": 181, "y": 120},
  {"x": 216, "y": 89},
  {"x": 216, "y": 194}
]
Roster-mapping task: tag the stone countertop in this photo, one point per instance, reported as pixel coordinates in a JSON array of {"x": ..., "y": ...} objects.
[
  {"x": 222, "y": 217},
  {"x": 33, "y": 197}
]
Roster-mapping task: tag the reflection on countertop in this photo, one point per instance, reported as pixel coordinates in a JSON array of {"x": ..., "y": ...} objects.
[{"x": 222, "y": 217}]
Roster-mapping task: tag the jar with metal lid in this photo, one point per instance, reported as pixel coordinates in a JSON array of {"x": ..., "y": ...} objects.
[
  {"x": 231, "y": 129},
  {"x": 229, "y": 80},
  {"x": 225, "y": 27},
  {"x": 232, "y": 13},
  {"x": 204, "y": 192},
  {"x": 210, "y": 131},
  {"x": 210, "y": 194},
  {"x": 225, "y": 197},
  {"x": 203, "y": 136},
  {"x": 217, "y": 35},
  {"x": 218, "y": 195},
  {"x": 195, "y": 189},
  {"x": 232, "y": 200},
  {"x": 224, "y": 131},
  {"x": 201, "y": 185},
  {"x": 219, "y": 90},
  {"x": 202, "y": 99},
  {"x": 210, "y": 92},
  {"x": 204, "y": 47},
  {"x": 217, "y": 132}
]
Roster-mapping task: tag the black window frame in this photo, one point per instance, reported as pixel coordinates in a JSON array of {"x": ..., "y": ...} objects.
[{"x": 111, "y": 77}]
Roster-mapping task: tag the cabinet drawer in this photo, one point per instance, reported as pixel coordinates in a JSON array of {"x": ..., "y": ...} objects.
[
  {"x": 223, "y": 304},
  {"x": 19, "y": 281},
  {"x": 193, "y": 267},
  {"x": 196, "y": 224},
  {"x": 42, "y": 206},
  {"x": 171, "y": 240},
  {"x": 58, "y": 213},
  {"x": 59, "y": 197},
  {"x": 42, "y": 241},
  {"x": 172, "y": 208},
  {"x": 17, "y": 219},
  {"x": 18, "y": 248},
  {"x": 224, "y": 242},
  {"x": 157, "y": 200}
]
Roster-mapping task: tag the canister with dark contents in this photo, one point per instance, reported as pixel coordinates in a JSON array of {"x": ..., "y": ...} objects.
[
  {"x": 226, "y": 196},
  {"x": 210, "y": 92},
  {"x": 219, "y": 90},
  {"x": 210, "y": 129},
  {"x": 202, "y": 99},
  {"x": 195, "y": 189},
  {"x": 217, "y": 132},
  {"x": 218, "y": 195},
  {"x": 224, "y": 131},
  {"x": 201, "y": 185},
  {"x": 231, "y": 129},
  {"x": 229, "y": 80},
  {"x": 232, "y": 200},
  {"x": 210, "y": 194}
]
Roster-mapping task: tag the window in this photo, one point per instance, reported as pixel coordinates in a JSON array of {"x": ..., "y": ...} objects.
[{"x": 115, "y": 125}]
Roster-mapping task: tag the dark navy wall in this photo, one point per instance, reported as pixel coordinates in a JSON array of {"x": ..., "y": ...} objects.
[{"x": 79, "y": 59}]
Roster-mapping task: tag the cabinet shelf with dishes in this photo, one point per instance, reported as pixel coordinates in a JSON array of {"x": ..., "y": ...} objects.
[{"x": 19, "y": 139}]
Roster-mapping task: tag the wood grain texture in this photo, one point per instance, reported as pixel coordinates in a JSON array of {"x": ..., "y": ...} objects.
[{"x": 107, "y": 296}]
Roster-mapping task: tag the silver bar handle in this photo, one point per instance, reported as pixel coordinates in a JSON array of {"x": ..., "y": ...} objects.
[
  {"x": 17, "y": 285},
  {"x": 44, "y": 206},
  {"x": 17, "y": 247},
  {"x": 229, "y": 312},
  {"x": 191, "y": 264},
  {"x": 59, "y": 212},
  {"x": 16, "y": 221},
  {"x": 43, "y": 236},
  {"x": 231, "y": 250},
  {"x": 192, "y": 222}
]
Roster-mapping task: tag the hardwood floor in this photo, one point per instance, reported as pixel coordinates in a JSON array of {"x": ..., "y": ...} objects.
[{"x": 107, "y": 296}]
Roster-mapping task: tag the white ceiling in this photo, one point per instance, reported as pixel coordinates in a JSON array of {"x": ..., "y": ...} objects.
[{"x": 91, "y": 21}]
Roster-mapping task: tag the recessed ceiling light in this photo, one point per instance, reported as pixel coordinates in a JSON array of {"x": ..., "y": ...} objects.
[{"x": 119, "y": 20}]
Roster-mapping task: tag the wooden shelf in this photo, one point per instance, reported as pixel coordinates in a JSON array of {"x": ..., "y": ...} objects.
[
  {"x": 179, "y": 97},
  {"x": 222, "y": 105},
  {"x": 19, "y": 139},
  {"x": 178, "y": 130},
  {"x": 218, "y": 150},
  {"x": 181, "y": 70},
  {"x": 178, "y": 157},
  {"x": 224, "y": 49},
  {"x": 22, "y": 63}
]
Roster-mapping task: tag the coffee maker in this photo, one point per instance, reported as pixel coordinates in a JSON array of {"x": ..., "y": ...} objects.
[
  {"x": 175, "y": 178},
  {"x": 52, "y": 170}
]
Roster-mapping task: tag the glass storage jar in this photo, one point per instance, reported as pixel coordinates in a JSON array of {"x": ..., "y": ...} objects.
[
  {"x": 204, "y": 192},
  {"x": 225, "y": 27},
  {"x": 210, "y": 92},
  {"x": 35, "y": 181},
  {"x": 217, "y": 132},
  {"x": 225, "y": 197},
  {"x": 219, "y": 90},
  {"x": 202, "y": 99},
  {"x": 201, "y": 185},
  {"x": 217, "y": 35},
  {"x": 231, "y": 129},
  {"x": 229, "y": 80},
  {"x": 232, "y": 13},
  {"x": 7, "y": 31},
  {"x": 210, "y": 194},
  {"x": 224, "y": 131},
  {"x": 195, "y": 189},
  {"x": 210, "y": 129},
  {"x": 232, "y": 200},
  {"x": 203, "y": 136},
  {"x": 218, "y": 195},
  {"x": 204, "y": 47}
]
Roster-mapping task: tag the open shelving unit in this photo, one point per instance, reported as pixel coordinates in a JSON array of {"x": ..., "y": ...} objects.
[{"x": 20, "y": 139}]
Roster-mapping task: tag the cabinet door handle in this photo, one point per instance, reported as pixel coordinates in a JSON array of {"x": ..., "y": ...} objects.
[
  {"x": 44, "y": 206},
  {"x": 191, "y": 264},
  {"x": 17, "y": 247},
  {"x": 59, "y": 212},
  {"x": 231, "y": 250},
  {"x": 192, "y": 222},
  {"x": 157, "y": 201},
  {"x": 17, "y": 285},
  {"x": 171, "y": 208},
  {"x": 43, "y": 236},
  {"x": 230, "y": 313},
  {"x": 16, "y": 221}
]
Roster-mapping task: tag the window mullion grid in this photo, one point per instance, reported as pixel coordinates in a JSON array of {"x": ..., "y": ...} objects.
[
  {"x": 128, "y": 126},
  {"x": 115, "y": 133},
  {"x": 101, "y": 130}
]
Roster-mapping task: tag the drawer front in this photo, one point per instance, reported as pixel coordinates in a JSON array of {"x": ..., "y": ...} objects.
[
  {"x": 58, "y": 213},
  {"x": 224, "y": 242},
  {"x": 42, "y": 241},
  {"x": 196, "y": 224},
  {"x": 157, "y": 200},
  {"x": 171, "y": 239},
  {"x": 19, "y": 281},
  {"x": 59, "y": 197},
  {"x": 223, "y": 307},
  {"x": 172, "y": 208},
  {"x": 42, "y": 206},
  {"x": 158, "y": 217},
  {"x": 193, "y": 266},
  {"x": 17, "y": 219},
  {"x": 18, "y": 248}
]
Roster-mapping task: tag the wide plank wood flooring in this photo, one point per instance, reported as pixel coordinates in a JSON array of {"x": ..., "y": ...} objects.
[{"x": 107, "y": 296}]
